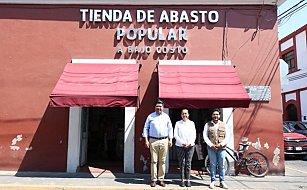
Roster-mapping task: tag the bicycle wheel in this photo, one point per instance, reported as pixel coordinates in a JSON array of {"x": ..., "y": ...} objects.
[
  {"x": 257, "y": 164},
  {"x": 207, "y": 165}
]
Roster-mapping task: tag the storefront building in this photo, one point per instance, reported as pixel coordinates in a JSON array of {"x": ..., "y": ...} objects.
[{"x": 79, "y": 79}]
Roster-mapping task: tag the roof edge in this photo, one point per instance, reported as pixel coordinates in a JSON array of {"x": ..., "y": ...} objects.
[{"x": 145, "y": 2}]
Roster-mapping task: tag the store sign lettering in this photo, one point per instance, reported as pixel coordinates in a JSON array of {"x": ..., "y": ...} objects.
[
  {"x": 150, "y": 34},
  {"x": 97, "y": 15}
]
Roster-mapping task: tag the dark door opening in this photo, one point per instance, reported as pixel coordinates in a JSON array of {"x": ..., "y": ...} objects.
[
  {"x": 200, "y": 117},
  {"x": 105, "y": 144},
  {"x": 291, "y": 112}
]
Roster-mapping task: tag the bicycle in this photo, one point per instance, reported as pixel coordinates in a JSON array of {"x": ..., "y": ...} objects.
[{"x": 256, "y": 163}]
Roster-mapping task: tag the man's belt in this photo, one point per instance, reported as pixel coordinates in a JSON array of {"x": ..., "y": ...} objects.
[{"x": 158, "y": 138}]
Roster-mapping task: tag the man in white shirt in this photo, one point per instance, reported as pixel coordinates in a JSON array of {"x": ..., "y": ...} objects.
[{"x": 217, "y": 135}]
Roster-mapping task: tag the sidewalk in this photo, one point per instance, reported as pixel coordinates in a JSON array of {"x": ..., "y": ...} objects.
[{"x": 97, "y": 181}]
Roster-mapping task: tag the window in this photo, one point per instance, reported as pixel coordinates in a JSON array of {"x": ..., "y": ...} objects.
[{"x": 289, "y": 59}]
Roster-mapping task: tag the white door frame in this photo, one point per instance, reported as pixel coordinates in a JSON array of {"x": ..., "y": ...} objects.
[{"x": 74, "y": 139}]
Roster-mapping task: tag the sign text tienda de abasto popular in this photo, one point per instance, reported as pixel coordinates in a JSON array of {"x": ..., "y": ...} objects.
[{"x": 153, "y": 33}]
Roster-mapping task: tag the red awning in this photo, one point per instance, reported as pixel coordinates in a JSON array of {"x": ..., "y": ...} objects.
[
  {"x": 201, "y": 86},
  {"x": 101, "y": 85}
]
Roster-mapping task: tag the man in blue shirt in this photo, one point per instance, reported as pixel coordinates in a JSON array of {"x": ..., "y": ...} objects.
[{"x": 158, "y": 135}]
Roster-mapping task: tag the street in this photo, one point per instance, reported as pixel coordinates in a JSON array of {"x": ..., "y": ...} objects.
[
  {"x": 295, "y": 178},
  {"x": 296, "y": 167}
]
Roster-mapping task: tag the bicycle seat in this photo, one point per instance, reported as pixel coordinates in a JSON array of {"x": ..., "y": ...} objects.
[{"x": 244, "y": 145}]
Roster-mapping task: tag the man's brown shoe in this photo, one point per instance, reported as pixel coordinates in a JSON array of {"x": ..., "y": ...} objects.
[
  {"x": 162, "y": 183},
  {"x": 153, "y": 184}
]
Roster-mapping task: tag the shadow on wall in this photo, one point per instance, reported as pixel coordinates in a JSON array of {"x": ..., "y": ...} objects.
[
  {"x": 48, "y": 149},
  {"x": 267, "y": 77},
  {"x": 142, "y": 155},
  {"x": 263, "y": 137}
]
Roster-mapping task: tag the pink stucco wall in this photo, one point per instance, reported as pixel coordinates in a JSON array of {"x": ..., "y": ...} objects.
[{"x": 37, "y": 42}]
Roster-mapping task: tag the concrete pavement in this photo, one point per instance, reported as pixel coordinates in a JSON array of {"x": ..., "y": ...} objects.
[{"x": 107, "y": 180}]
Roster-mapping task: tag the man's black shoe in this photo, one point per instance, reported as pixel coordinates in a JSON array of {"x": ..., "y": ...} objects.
[
  {"x": 181, "y": 184},
  {"x": 162, "y": 183},
  {"x": 153, "y": 184}
]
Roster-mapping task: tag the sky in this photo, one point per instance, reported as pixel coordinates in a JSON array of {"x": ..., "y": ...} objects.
[
  {"x": 287, "y": 26},
  {"x": 294, "y": 22}
]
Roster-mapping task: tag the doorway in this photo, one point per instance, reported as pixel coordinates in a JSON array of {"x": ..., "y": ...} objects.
[
  {"x": 103, "y": 129},
  {"x": 291, "y": 112}
]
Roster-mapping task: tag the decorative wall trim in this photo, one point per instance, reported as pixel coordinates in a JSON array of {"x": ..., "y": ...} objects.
[{"x": 147, "y": 2}]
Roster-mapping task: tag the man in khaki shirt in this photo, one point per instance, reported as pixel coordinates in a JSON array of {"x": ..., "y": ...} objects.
[{"x": 217, "y": 135}]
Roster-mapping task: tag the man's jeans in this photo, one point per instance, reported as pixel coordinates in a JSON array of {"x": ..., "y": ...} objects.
[{"x": 217, "y": 157}]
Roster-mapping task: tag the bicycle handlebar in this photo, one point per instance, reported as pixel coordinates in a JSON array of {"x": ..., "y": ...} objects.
[{"x": 247, "y": 143}]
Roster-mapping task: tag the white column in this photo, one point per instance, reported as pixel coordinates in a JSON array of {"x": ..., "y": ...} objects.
[
  {"x": 228, "y": 119},
  {"x": 303, "y": 95},
  {"x": 129, "y": 140},
  {"x": 166, "y": 110},
  {"x": 74, "y": 134}
]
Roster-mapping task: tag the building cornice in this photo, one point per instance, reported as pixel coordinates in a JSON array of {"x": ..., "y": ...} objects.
[{"x": 145, "y": 2}]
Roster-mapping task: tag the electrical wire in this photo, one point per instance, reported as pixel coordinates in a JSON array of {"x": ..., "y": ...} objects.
[
  {"x": 290, "y": 8},
  {"x": 225, "y": 40},
  {"x": 287, "y": 14},
  {"x": 293, "y": 11}
]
